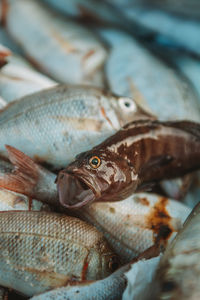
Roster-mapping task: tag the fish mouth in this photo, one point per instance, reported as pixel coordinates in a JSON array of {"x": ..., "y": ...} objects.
[{"x": 74, "y": 191}]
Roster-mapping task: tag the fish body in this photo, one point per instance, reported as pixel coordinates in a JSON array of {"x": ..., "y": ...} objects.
[
  {"x": 10, "y": 200},
  {"x": 133, "y": 225},
  {"x": 56, "y": 124},
  {"x": 133, "y": 71},
  {"x": 66, "y": 51},
  {"x": 182, "y": 31},
  {"x": 110, "y": 288},
  {"x": 141, "y": 153},
  {"x": 179, "y": 268},
  {"x": 41, "y": 251},
  {"x": 18, "y": 78}
]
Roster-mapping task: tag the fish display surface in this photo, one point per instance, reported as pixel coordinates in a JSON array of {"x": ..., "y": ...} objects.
[
  {"x": 100, "y": 136},
  {"x": 140, "y": 153}
]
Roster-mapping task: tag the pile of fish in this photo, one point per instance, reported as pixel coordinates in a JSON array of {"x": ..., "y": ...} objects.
[{"x": 99, "y": 149}]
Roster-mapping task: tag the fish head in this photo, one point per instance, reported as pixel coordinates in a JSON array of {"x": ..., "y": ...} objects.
[
  {"x": 128, "y": 110},
  {"x": 102, "y": 261},
  {"x": 95, "y": 175}
]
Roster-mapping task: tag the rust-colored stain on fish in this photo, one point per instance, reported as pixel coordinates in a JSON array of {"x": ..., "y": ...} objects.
[
  {"x": 105, "y": 116},
  {"x": 159, "y": 221},
  {"x": 144, "y": 201}
]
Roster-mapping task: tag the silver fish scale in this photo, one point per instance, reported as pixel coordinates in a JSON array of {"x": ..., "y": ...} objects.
[
  {"x": 41, "y": 251},
  {"x": 58, "y": 123}
]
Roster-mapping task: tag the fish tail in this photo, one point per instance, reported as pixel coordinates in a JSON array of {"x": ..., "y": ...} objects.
[{"x": 25, "y": 175}]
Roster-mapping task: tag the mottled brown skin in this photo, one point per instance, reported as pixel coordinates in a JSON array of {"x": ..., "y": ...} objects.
[{"x": 137, "y": 156}]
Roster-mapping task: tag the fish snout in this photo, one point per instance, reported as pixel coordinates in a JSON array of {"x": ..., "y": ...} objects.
[{"x": 73, "y": 192}]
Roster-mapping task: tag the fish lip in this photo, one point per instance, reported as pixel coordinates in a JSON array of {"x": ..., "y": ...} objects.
[{"x": 85, "y": 181}]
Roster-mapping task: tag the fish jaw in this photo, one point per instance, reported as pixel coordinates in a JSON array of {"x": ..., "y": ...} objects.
[{"x": 74, "y": 192}]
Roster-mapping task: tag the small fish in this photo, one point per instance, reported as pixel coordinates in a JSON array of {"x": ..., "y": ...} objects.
[
  {"x": 141, "y": 153},
  {"x": 110, "y": 288},
  {"x": 143, "y": 220},
  {"x": 63, "y": 49},
  {"x": 41, "y": 251},
  {"x": 18, "y": 78},
  {"x": 178, "y": 275},
  {"x": 54, "y": 125}
]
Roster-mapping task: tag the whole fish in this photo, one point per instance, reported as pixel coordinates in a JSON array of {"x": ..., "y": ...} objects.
[
  {"x": 147, "y": 79},
  {"x": 110, "y": 288},
  {"x": 178, "y": 275},
  {"x": 41, "y": 251},
  {"x": 65, "y": 50},
  {"x": 141, "y": 153},
  {"x": 131, "y": 226},
  {"x": 56, "y": 124},
  {"x": 18, "y": 78}
]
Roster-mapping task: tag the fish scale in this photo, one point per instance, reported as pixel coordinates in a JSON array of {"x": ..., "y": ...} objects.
[
  {"x": 41, "y": 251},
  {"x": 55, "y": 125}
]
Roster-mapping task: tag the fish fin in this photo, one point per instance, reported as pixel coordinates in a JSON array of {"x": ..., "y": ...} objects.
[
  {"x": 24, "y": 177},
  {"x": 156, "y": 162},
  {"x": 145, "y": 187},
  {"x": 190, "y": 127}
]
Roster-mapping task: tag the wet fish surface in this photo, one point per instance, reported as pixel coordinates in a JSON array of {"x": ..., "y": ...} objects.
[
  {"x": 131, "y": 160},
  {"x": 179, "y": 269},
  {"x": 137, "y": 223},
  {"x": 18, "y": 78},
  {"x": 64, "y": 50},
  {"x": 41, "y": 251},
  {"x": 110, "y": 288},
  {"x": 56, "y": 124}
]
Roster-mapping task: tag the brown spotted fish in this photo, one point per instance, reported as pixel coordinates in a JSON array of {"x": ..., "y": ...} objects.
[{"x": 140, "y": 154}]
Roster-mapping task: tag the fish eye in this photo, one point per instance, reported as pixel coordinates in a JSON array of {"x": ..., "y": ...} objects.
[
  {"x": 95, "y": 162},
  {"x": 127, "y": 104},
  {"x": 113, "y": 263}
]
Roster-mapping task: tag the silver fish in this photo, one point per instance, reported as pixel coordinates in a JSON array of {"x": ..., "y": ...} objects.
[
  {"x": 18, "y": 78},
  {"x": 68, "y": 52},
  {"x": 41, "y": 251},
  {"x": 110, "y": 288},
  {"x": 133, "y": 71},
  {"x": 179, "y": 268},
  {"x": 55, "y": 125}
]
